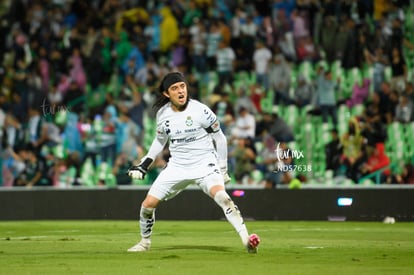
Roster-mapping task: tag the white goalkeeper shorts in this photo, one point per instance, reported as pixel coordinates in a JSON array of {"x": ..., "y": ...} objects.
[{"x": 172, "y": 180}]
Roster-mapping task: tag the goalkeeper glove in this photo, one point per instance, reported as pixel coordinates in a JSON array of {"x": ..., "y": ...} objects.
[{"x": 138, "y": 172}]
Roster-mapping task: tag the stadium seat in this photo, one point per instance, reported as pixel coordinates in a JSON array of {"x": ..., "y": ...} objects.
[
  {"x": 388, "y": 73},
  {"x": 357, "y": 110},
  {"x": 306, "y": 69},
  {"x": 87, "y": 173},
  {"x": 291, "y": 116},
  {"x": 336, "y": 69}
]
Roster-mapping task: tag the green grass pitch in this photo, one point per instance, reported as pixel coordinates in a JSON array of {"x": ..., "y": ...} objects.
[{"x": 206, "y": 247}]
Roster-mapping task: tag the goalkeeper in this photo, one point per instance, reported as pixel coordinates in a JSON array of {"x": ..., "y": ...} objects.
[{"x": 198, "y": 150}]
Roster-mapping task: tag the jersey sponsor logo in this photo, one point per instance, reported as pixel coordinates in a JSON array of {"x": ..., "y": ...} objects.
[
  {"x": 190, "y": 130},
  {"x": 183, "y": 140}
]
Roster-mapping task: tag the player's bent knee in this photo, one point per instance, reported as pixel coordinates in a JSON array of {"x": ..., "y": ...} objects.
[
  {"x": 150, "y": 202},
  {"x": 215, "y": 189}
]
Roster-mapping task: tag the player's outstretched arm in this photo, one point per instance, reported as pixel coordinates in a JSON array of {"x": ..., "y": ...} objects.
[{"x": 139, "y": 171}]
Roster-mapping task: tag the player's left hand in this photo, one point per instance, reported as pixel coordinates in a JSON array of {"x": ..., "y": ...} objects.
[{"x": 223, "y": 170}]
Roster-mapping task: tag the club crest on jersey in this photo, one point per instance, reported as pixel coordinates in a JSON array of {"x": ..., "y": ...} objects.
[{"x": 189, "y": 121}]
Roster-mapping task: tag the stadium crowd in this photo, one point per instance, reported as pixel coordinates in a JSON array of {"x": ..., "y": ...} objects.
[{"x": 78, "y": 81}]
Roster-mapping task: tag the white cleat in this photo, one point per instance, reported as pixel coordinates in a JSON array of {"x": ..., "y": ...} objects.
[
  {"x": 253, "y": 243},
  {"x": 143, "y": 245}
]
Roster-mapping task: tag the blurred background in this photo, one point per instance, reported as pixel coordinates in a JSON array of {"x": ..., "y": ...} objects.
[{"x": 308, "y": 92}]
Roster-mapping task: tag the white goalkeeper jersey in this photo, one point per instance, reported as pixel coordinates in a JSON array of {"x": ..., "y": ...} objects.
[{"x": 188, "y": 134}]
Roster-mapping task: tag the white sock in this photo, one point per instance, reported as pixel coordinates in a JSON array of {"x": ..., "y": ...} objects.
[
  {"x": 233, "y": 214},
  {"x": 146, "y": 221}
]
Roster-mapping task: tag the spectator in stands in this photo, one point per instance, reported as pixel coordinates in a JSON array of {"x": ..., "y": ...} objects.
[
  {"x": 180, "y": 56},
  {"x": 398, "y": 69},
  {"x": 353, "y": 150},
  {"x": 191, "y": 13},
  {"x": 300, "y": 29},
  {"x": 262, "y": 58},
  {"x": 409, "y": 91},
  {"x": 108, "y": 138},
  {"x": 280, "y": 130},
  {"x": 351, "y": 56},
  {"x": 266, "y": 32},
  {"x": 392, "y": 105},
  {"x": 328, "y": 38},
  {"x": 82, "y": 43},
  {"x": 120, "y": 168},
  {"x": 169, "y": 28},
  {"x": 286, "y": 46},
  {"x": 13, "y": 130},
  {"x": 223, "y": 106},
  {"x": 194, "y": 86},
  {"x": 236, "y": 22},
  {"x": 405, "y": 177},
  {"x": 377, "y": 161},
  {"x": 34, "y": 168},
  {"x": 126, "y": 134},
  {"x": 152, "y": 34},
  {"x": 198, "y": 35},
  {"x": 257, "y": 93},
  {"x": 340, "y": 41},
  {"x": 360, "y": 92},
  {"x": 245, "y": 126},
  {"x": 306, "y": 50},
  {"x": 77, "y": 71},
  {"x": 225, "y": 31},
  {"x": 326, "y": 94},
  {"x": 242, "y": 157},
  {"x": 73, "y": 99},
  {"x": 279, "y": 76},
  {"x": 34, "y": 127},
  {"x": 248, "y": 37},
  {"x": 225, "y": 62},
  {"x": 244, "y": 100},
  {"x": 133, "y": 61},
  {"x": 282, "y": 173},
  {"x": 54, "y": 98},
  {"x": 122, "y": 49},
  {"x": 304, "y": 92},
  {"x": 263, "y": 125},
  {"x": 333, "y": 152},
  {"x": 404, "y": 110},
  {"x": 143, "y": 76},
  {"x": 378, "y": 60},
  {"x": 268, "y": 159},
  {"x": 214, "y": 37},
  {"x": 373, "y": 129},
  {"x": 384, "y": 99}
]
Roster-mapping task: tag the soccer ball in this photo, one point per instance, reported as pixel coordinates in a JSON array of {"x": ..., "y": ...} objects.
[{"x": 389, "y": 220}]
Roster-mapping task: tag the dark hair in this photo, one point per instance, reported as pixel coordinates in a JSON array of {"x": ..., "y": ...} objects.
[{"x": 168, "y": 80}]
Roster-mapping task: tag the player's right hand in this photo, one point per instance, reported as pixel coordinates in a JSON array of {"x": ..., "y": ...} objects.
[
  {"x": 137, "y": 172},
  {"x": 226, "y": 178}
]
